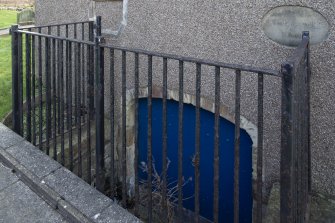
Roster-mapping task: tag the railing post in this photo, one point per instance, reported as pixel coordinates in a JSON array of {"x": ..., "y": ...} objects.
[
  {"x": 99, "y": 69},
  {"x": 16, "y": 123},
  {"x": 287, "y": 203}
]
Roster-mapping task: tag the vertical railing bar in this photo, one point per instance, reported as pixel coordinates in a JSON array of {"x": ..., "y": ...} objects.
[
  {"x": 28, "y": 85},
  {"x": 216, "y": 146},
  {"x": 298, "y": 95},
  {"x": 149, "y": 139},
  {"x": 196, "y": 158},
  {"x": 305, "y": 174},
  {"x": 76, "y": 83},
  {"x": 48, "y": 94},
  {"x": 124, "y": 139},
  {"x": 302, "y": 129},
  {"x": 295, "y": 151},
  {"x": 298, "y": 138},
  {"x": 112, "y": 120},
  {"x": 308, "y": 117},
  {"x": 136, "y": 164},
  {"x": 79, "y": 73},
  {"x": 20, "y": 83},
  {"x": 83, "y": 70},
  {"x": 306, "y": 152},
  {"x": 296, "y": 165},
  {"x": 69, "y": 105},
  {"x": 180, "y": 139},
  {"x": 40, "y": 121},
  {"x": 91, "y": 68},
  {"x": 61, "y": 98},
  {"x": 55, "y": 89},
  {"x": 164, "y": 148},
  {"x": 300, "y": 85},
  {"x": 58, "y": 87},
  {"x": 15, "y": 80},
  {"x": 33, "y": 103},
  {"x": 90, "y": 94},
  {"x": 68, "y": 55},
  {"x": 305, "y": 121},
  {"x": 237, "y": 146},
  {"x": 304, "y": 138},
  {"x": 260, "y": 127},
  {"x": 308, "y": 73}
]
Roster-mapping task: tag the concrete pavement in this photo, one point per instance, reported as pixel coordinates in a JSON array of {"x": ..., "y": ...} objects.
[
  {"x": 35, "y": 188},
  {"x": 18, "y": 203}
]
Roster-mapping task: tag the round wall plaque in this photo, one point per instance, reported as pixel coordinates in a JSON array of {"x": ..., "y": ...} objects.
[{"x": 285, "y": 25}]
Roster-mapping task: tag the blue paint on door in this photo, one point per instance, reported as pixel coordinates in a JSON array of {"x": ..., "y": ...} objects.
[{"x": 206, "y": 158}]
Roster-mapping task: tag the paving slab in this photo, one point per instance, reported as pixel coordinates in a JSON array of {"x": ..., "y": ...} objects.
[
  {"x": 121, "y": 215},
  {"x": 7, "y": 137},
  {"x": 33, "y": 159},
  {"x": 19, "y": 204},
  {"x": 6, "y": 177},
  {"x": 38, "y": 189},
  {"x": 77, "y": 192}
]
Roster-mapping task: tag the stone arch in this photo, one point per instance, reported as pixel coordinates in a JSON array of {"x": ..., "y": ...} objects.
[{"x": 206, "y": 104}]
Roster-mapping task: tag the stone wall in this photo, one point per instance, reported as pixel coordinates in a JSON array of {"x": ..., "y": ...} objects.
[{"x": 229, "y": 31}]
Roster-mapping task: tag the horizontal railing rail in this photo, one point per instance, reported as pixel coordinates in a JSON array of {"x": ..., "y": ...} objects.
[
  {"x": 245, "y": 68},
  {"x": 56, "y": 37},
  {"x": 57, "y": 25},
  {"x": 75, "y": 30}
]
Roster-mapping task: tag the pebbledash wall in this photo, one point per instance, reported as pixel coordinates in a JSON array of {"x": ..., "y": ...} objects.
[{"x": 229, "y": 31}]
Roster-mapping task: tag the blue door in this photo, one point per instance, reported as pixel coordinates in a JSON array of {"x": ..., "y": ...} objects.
[{"x": 206, "y": 158}]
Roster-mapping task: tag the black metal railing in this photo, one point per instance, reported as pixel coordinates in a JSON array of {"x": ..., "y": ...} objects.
[
  {"x": 55, "y": 104},
  {"x": 295, "y": 180},
  {"x": 76, "y": 110}
]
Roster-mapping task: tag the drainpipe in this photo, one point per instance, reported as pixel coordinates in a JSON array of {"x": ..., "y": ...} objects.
[{"x": 123, "y": 24}]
